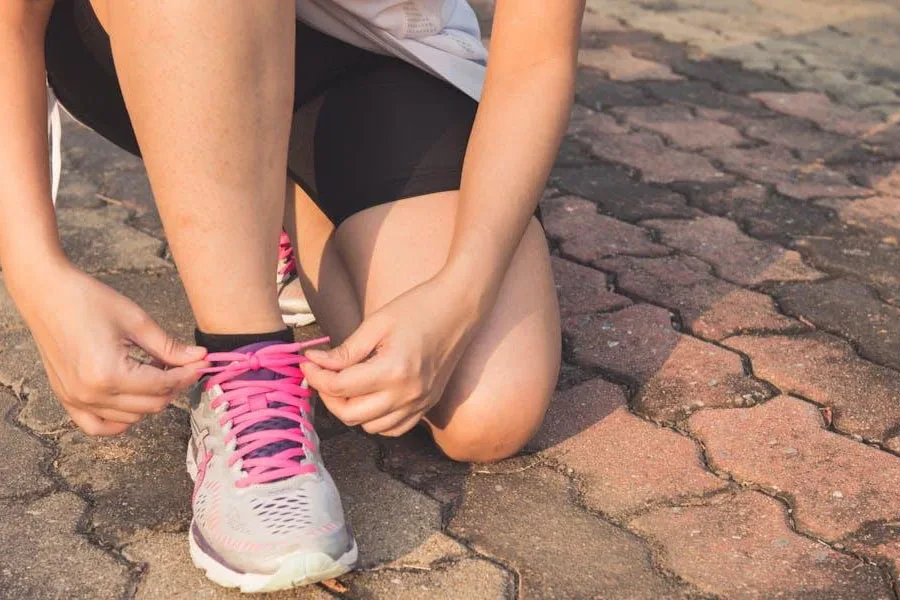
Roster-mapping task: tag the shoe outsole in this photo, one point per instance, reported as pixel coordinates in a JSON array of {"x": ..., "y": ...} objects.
[{"x": 297, "y": 569}]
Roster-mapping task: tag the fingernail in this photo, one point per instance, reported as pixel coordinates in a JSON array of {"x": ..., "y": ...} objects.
[
  {"x": 195, "y": 350},
  {"x": 316, "y": 354}
]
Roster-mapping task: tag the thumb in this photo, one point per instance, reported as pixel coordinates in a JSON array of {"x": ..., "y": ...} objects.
[
  {"x": 162, "y": 346},
  {"x": 353, "y": 350}
]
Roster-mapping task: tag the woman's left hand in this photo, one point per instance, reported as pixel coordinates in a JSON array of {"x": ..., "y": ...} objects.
[{"x": 395, "y": 366}]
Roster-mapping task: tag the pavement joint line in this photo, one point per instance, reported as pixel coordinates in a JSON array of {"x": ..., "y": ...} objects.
[
  {"x": 576, "y": 498},
  {"x": 84, "y": 526},
  {"x": 786, "y": 502},
  {"x": 447, "y": 511}
]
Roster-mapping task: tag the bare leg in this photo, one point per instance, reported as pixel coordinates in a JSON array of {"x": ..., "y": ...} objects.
[
  {"x": 498, "y": 395},
  {"x": 209, "y": 88}
]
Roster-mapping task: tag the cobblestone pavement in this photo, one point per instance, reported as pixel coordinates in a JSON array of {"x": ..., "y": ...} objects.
[{"x": 725, "y": 225}]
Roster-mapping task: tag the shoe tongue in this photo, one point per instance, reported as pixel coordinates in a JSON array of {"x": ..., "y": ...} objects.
[{"x": 268, "y": 424}]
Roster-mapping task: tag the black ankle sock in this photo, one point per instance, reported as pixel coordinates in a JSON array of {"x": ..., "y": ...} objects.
[{"x": 226, "y": 342}]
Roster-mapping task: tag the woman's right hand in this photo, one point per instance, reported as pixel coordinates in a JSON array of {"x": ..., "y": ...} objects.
[{"x": 84, "y": 331}]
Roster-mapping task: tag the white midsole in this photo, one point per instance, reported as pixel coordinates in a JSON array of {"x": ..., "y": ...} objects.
[{"x": 299, "y": 568}]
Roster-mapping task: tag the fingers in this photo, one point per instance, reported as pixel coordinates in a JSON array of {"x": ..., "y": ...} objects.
[
  {"x": 358, "y": 380},
  {"x": 394, "y": 424},
  {"x": 144, "y": 332},
  {"x": 355, "y": 348},
  {"x": 148, "y": 380}
]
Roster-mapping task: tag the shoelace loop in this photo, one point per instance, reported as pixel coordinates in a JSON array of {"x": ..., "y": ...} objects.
[{"x": 253, "y": 401}]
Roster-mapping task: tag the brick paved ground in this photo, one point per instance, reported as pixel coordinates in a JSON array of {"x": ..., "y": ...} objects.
[{"x": 725, "y": 225}]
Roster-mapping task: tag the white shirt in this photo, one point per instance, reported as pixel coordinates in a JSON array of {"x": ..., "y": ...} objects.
[{"x": 439, "y": 36}]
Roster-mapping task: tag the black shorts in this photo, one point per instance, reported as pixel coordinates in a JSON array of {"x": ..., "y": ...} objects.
[{"x": 367, "y": 129}]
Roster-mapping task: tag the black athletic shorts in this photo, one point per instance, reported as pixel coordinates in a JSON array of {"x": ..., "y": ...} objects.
[{"x": 367, "y": 129}]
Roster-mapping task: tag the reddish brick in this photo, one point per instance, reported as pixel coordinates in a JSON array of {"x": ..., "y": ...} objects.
[
  {"x": 595, "y": 90},
  {"x": 883, "y": 177},
  {"x": 583, "y": 290},
  {"x": 621, "y": 65},
  {"x": 741, "y": 546},
  {"x": 819, "y": 109},
  {"x": 791, "y": 177},
  {"x": 528, "y": 519},
  {"x": 588, "y": 236},
  {"x": 676, "y": 373},
  {"x": 864, "y": 398},
  {"x": 711, "y": 307},
  {"x": 851, "y": 310},
  {"x": 585, "y": 123},
  {"x": 835, "y": 485},
  {"x": 658, "y": 164},
  {"x": 735, "y": 256},
  {"x": 623, "y": 463},
  {"x": 679, "y": 125}
]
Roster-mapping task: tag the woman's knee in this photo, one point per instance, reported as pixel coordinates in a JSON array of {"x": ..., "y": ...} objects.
[{"x": 492, "y": 429}]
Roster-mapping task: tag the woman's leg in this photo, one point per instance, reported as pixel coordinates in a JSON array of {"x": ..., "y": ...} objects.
[
  {"x": 499, "y": 393},
  {"x": 209, "y": 88}
]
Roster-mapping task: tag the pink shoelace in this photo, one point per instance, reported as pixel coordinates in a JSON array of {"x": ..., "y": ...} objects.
[
  {"x": 252, "y": 401},
  {"x": 287, "y": 264}
]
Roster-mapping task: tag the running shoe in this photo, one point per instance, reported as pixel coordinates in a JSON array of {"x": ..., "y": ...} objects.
[
  {"x": 267, "y": 515},
  {"x": 294, "y": 308}
]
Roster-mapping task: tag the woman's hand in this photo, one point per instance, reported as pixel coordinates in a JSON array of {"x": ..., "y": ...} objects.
[
  {"x": 395, "y": 366},
  {"x": 84, "y": 331}
]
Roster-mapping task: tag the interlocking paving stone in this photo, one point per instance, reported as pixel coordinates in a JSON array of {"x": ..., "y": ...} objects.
[
  {"x": 791, "y": 177},
  {"x": 677, "y": 373},
  {"x": 415, "y": 460},
  {"x": 849, "y": 309},
  {"x": 137, "y": 480},
  {"x": 618, "y": 195},
  {"x": 819, "y": 109},
  {"x": 587, "y": 123},
  {"x": 477, "y": 577},
  {"x": 740, "y": 546},
  {"x": 729, "y": 76},
  {"x": 681, "y": 127},
  {"x": 735, "y": 256},
  {"x": 864, "y": 397},
  {"x": 623, "y": 463},
  {"x": 376, "y": 503},
  {"x": 657, "y": 163},
  {"x": 595, "y": 91},
  {"x": 509, "y": 516},
  {"x": 98, "y": 240},
  {"x": 879, "y": 215},
  {"x": 45, "y": 557},
  {"x": 710, "y": 307},
  {"x": 875, "y": 261},
  {"x": 587, "y": 236},
  {"x": 169, "y": 573},
  {"x": 763, "y": 214},
  {"x": 22, "y": 371},
  {"x": 583, "y": 290},
  {"x": 702, "y": 94},
  {"x": 809, "y": 142},
  {"x": 621, "y": 65},
  {"x": 22, "y": 456},
  {"x": 784, "y": 447}
]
